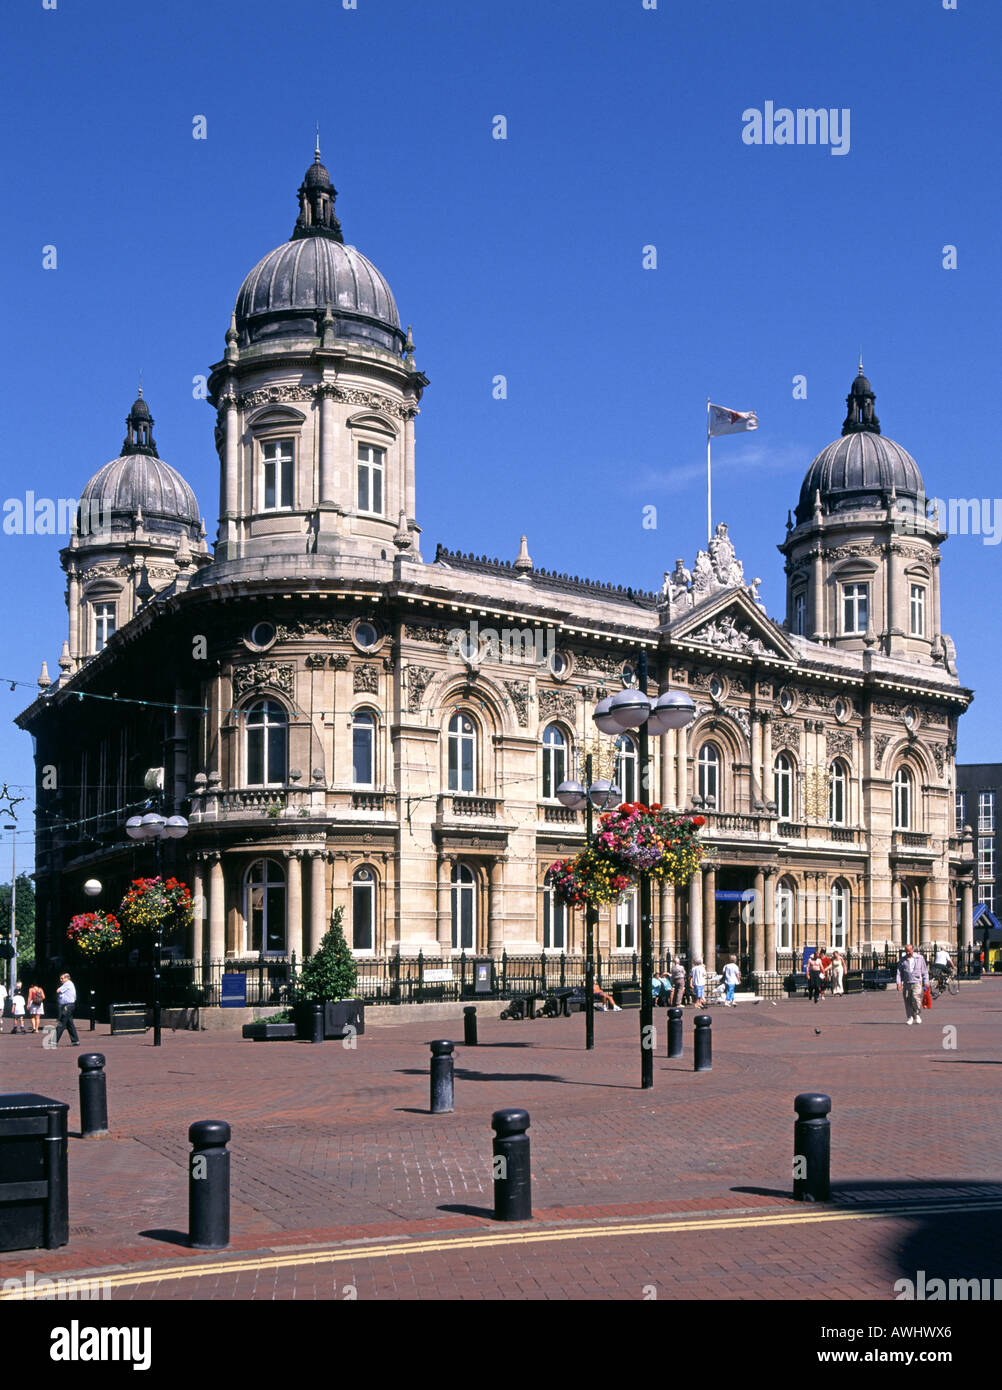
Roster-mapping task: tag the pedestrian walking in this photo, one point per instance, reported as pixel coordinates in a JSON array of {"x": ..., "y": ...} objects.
[
  {"x": 826, "y": 965},
  {"x": 17, "y": 1008},
  {"x": 732, "y": 978},
  {"x": 913, "y": 977},
  {"x": 3, "y": 1003},
  {"x": 697, "y": 978},
  {"x": 837, "y": 973},
  {"x": 36, "y": 1005},
  {"x": 677, "y": 977},
  {"x": 815, "y": 971},
  {"x": 67, "y": 997}
]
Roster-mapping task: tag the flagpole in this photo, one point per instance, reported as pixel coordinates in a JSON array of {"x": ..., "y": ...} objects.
[{"x": 709, "y": 532}]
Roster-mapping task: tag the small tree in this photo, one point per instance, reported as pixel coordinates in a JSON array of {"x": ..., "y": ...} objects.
[{"x": 330, "y": 974}]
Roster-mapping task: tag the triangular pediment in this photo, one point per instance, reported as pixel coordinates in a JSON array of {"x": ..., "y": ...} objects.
[{"x": 730, "y": 622}]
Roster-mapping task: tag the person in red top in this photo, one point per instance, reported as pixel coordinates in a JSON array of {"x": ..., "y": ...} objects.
[{"x": 826, "y": 965}]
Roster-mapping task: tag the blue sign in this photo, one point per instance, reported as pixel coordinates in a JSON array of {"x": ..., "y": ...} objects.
[
  {"x": 727, "y": 895},
  {"x": 234, "y": 991}
]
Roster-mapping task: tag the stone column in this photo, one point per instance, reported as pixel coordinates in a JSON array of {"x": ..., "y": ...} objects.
[
  {"x": 682, "y": 769},
  {"x": 967, "y": 913},
  {"x": 769, "y": 924},
  {"x": 667, "y": 796},
  {"x": 231, "y": 480},
  {"x": 217, "y": 909},
  {"x": 756, "y": 757},
  {"x": 758, "y": 924},
  {"x": 666, "y": 921},
  {"x": 294, "y": 902},
  {"x": 924, "y": 933},
  {"x": 710, "y": 917},
  {"x": 932, "y": 621},
  {"x": 318, "y": 900},
  {"x": 326, "y": 445},
  {"x": 444, "y": 904},
  {"x": 198, "y": 911},
  {"x": 891, "y": 598},
  {"x": 895, "y": 910},
  {"x": 767, "y": 787},
  {"x": 495, "y": 908},
  {"x": 817, "y": 597},
  {"x": 696, "y": 917},
  {"x": 76, "y": 647}
]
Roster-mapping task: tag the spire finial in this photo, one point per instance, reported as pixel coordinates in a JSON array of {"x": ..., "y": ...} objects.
[
  {"x": 861, "y": 361},
  {"x": 140, "y": 382},
  {"x": 316, "y": 152}
]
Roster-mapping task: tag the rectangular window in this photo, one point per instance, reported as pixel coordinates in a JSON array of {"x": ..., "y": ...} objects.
[
  {"x": 626, "y": 923},
  {"x": 986, "y": 858},
  {"x": 987, "y": 896},
  {"x": 361, "y": 755},
  {"x": 104, "y": 624},
  {"x": 855, "y": 608},
  {"x": 918, "y": 610},
  {"x": 986, "y": 812},
  {"x": 961, "y": 805},
  {"x": 554, "y": 922},
  {"x": 277, "y": 457},
  {"x": 370, "y": 479},
  {"x": 800, "y": 615},
  {"x": 362, "y": 903}
]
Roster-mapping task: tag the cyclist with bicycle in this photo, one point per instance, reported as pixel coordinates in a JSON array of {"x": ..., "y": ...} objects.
[{"x": 943, "y": 966}]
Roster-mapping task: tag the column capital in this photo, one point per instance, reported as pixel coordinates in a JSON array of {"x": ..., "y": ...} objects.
[
  {"x": 292, "y": 853},
  {"x": 770, "y": 870}
]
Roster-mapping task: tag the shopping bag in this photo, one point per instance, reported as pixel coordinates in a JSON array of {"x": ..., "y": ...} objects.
[{"x": 927, "y": 998}]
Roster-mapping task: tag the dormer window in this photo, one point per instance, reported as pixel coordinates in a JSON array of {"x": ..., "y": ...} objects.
[
  {"x": 104, "y": 624},
  {"x": 370, "y": 479},
  {"x": 277, "y": 460},
  {"x": 800, "y": 615},
  {"x": 917, "y": 607}
]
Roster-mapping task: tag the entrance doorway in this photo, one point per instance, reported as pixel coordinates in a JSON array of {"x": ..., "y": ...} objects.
[{"x": 733, "y": 919}]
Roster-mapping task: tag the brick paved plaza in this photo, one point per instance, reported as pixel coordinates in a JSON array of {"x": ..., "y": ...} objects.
[{"x": 344, "y": 1185}]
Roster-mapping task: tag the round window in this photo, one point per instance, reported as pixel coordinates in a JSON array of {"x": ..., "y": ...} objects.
[
  {"x": 560, "y": 663},
  {"x": 363, "y": 875},
  {"x": 787, "y": 700},
  {"x": 842, "y": 710},
  {"x": 262, "y": 634},
  {"x": 366, "y": 634},
  {"x": 716, "y": 687}
]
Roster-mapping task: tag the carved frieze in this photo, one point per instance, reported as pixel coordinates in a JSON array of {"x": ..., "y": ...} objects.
[
  {"x": 556, "y": 704},
  {"x": 785, "y": 734},
  {"x": 314, "y": 625},
  {"x": 418, "y": 678},
  {"x": 278, "y": 394},
  {"x": 365, "y": 679},
  {"x": 429, "y": 632},
  {"x": 839, "y": 743},
  {"x": 854, "y": 552},
  {"x": 261, "y": 674},
  {"x": 519, "y": 693},
  {"x": 939, "y": 754},
  {"x": 880, "y": 743},
  {"x": 740, "y": 717},
  {"x": 725, "y": 634}
]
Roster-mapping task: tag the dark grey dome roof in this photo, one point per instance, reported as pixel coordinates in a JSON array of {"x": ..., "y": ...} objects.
[
  {"x": 140, "y": 480},
  {"x": 857, "y": 471},
  {"x": 317, "y": 174},
  {"x": 140, "y": 410},
  {"x": 287, "y": 293}
]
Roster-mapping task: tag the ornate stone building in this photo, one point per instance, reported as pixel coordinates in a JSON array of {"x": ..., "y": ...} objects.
[{"x": 346, "y": 723}]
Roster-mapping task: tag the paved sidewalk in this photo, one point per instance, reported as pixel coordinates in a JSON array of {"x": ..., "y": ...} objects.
[{"x": 683, "y": 1189}]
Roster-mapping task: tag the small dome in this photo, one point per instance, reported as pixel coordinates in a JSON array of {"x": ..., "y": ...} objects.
[
  {"x": 287, "y": 293},
  {"x": 140, "y": 480},
  {"x": 317, "y": 175},
  {"x": 858, "y": 470},
  {"x": 140, "y": 410}
]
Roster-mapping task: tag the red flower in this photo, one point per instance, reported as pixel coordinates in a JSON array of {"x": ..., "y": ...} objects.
[{"x": 698, "y": 821}]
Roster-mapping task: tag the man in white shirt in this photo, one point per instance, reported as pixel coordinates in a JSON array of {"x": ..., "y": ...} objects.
[
  {"x": 913, "y": 976},
  {"x": 67, "y": 997},
  {"x": 3, "y": 1002}
]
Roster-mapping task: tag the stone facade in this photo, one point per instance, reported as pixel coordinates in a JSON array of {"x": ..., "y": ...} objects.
[{"x": 345, "y": 724}]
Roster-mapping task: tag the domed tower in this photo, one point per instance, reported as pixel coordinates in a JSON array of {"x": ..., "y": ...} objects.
[
  {"x": 138, "y": 535},
  {"x": 862, "y": 557},
  {"x": 316, "y": 397}
]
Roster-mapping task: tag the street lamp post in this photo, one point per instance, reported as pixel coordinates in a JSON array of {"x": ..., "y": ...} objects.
[
  {"x": 591, "y": 794},
  {"x": 156, "y": 828},
  {"x": 631, "y": 709}
]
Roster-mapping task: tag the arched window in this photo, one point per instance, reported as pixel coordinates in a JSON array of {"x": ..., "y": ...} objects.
[
  {"x": 626, "y": 921},
  {"x": 782, "y": 786},
  {"x": 708, "y": 770},
  {"x": 462, "y": 753},
  {"x": 464, "y": 908},
  {"x": 363, "y": 909},
  {"x": 264, "y": 907},
  {"x": 785, "y": 914},
  {"x": 840, "y": 905},
  {"x": 902, "y": 799},
  {"x": 554, "y": 759},
  {"x": 837, "y": 793},
  {"x": 267, "y": 744},
  {"x": 363, "y": 748},
  {"x": 626, "y": 767},
  {"x": 554, "y": 920}
]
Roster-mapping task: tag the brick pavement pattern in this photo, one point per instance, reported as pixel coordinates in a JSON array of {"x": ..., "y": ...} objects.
[{"x": 333, "y": 1146}]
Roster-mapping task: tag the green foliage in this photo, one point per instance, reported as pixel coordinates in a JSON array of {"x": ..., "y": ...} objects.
[
  {"x": 283, "y": 1016},
  {"x": 24, "y": 915},
  {"x": 331, "y": 974}
]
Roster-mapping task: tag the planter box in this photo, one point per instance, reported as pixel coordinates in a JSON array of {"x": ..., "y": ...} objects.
[
  {"x": 128, "y": 1018},
  {"x": 627, "y": 996},
  {"x": 337, "y": 1017},
  {"x": 269, "y": 1032}
]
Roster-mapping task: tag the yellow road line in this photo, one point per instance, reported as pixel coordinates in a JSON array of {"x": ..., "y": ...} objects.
[{"x": 491, "y": 1239}]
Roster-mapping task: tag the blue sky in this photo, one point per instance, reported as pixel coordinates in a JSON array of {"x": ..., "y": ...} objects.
[{"x": 520, "y": 257}]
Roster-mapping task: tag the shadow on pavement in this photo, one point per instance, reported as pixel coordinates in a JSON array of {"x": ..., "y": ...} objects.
[
  {"x": 168, "y": 1237},
  {"x": 486, "y": 1213}
]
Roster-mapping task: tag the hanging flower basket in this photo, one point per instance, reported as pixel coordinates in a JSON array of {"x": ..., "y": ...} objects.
[
  {"x": 94, "y": 933},
  {"x": 634, "y": 839},
  {"x": 152, "y": 902}
]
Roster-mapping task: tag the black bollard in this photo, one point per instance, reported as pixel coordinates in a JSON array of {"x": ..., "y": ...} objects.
[
  {"x": 317, "y": 1024},
  {"x": 209, "y": 1185},
  {"x": 93, "y": 1095},
  {"x": 812, "y": 1148},
  {"x": 674, "y": 1032},
  {"x": 512, "y": 1172},
  {"x": 702, "y": 1045},
  {"x": 441, "y": 1077},
  {"x": 470, "y": 1025}
]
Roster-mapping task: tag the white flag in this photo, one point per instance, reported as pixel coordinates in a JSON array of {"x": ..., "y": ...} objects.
[{"x": 724, "y": 421}]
